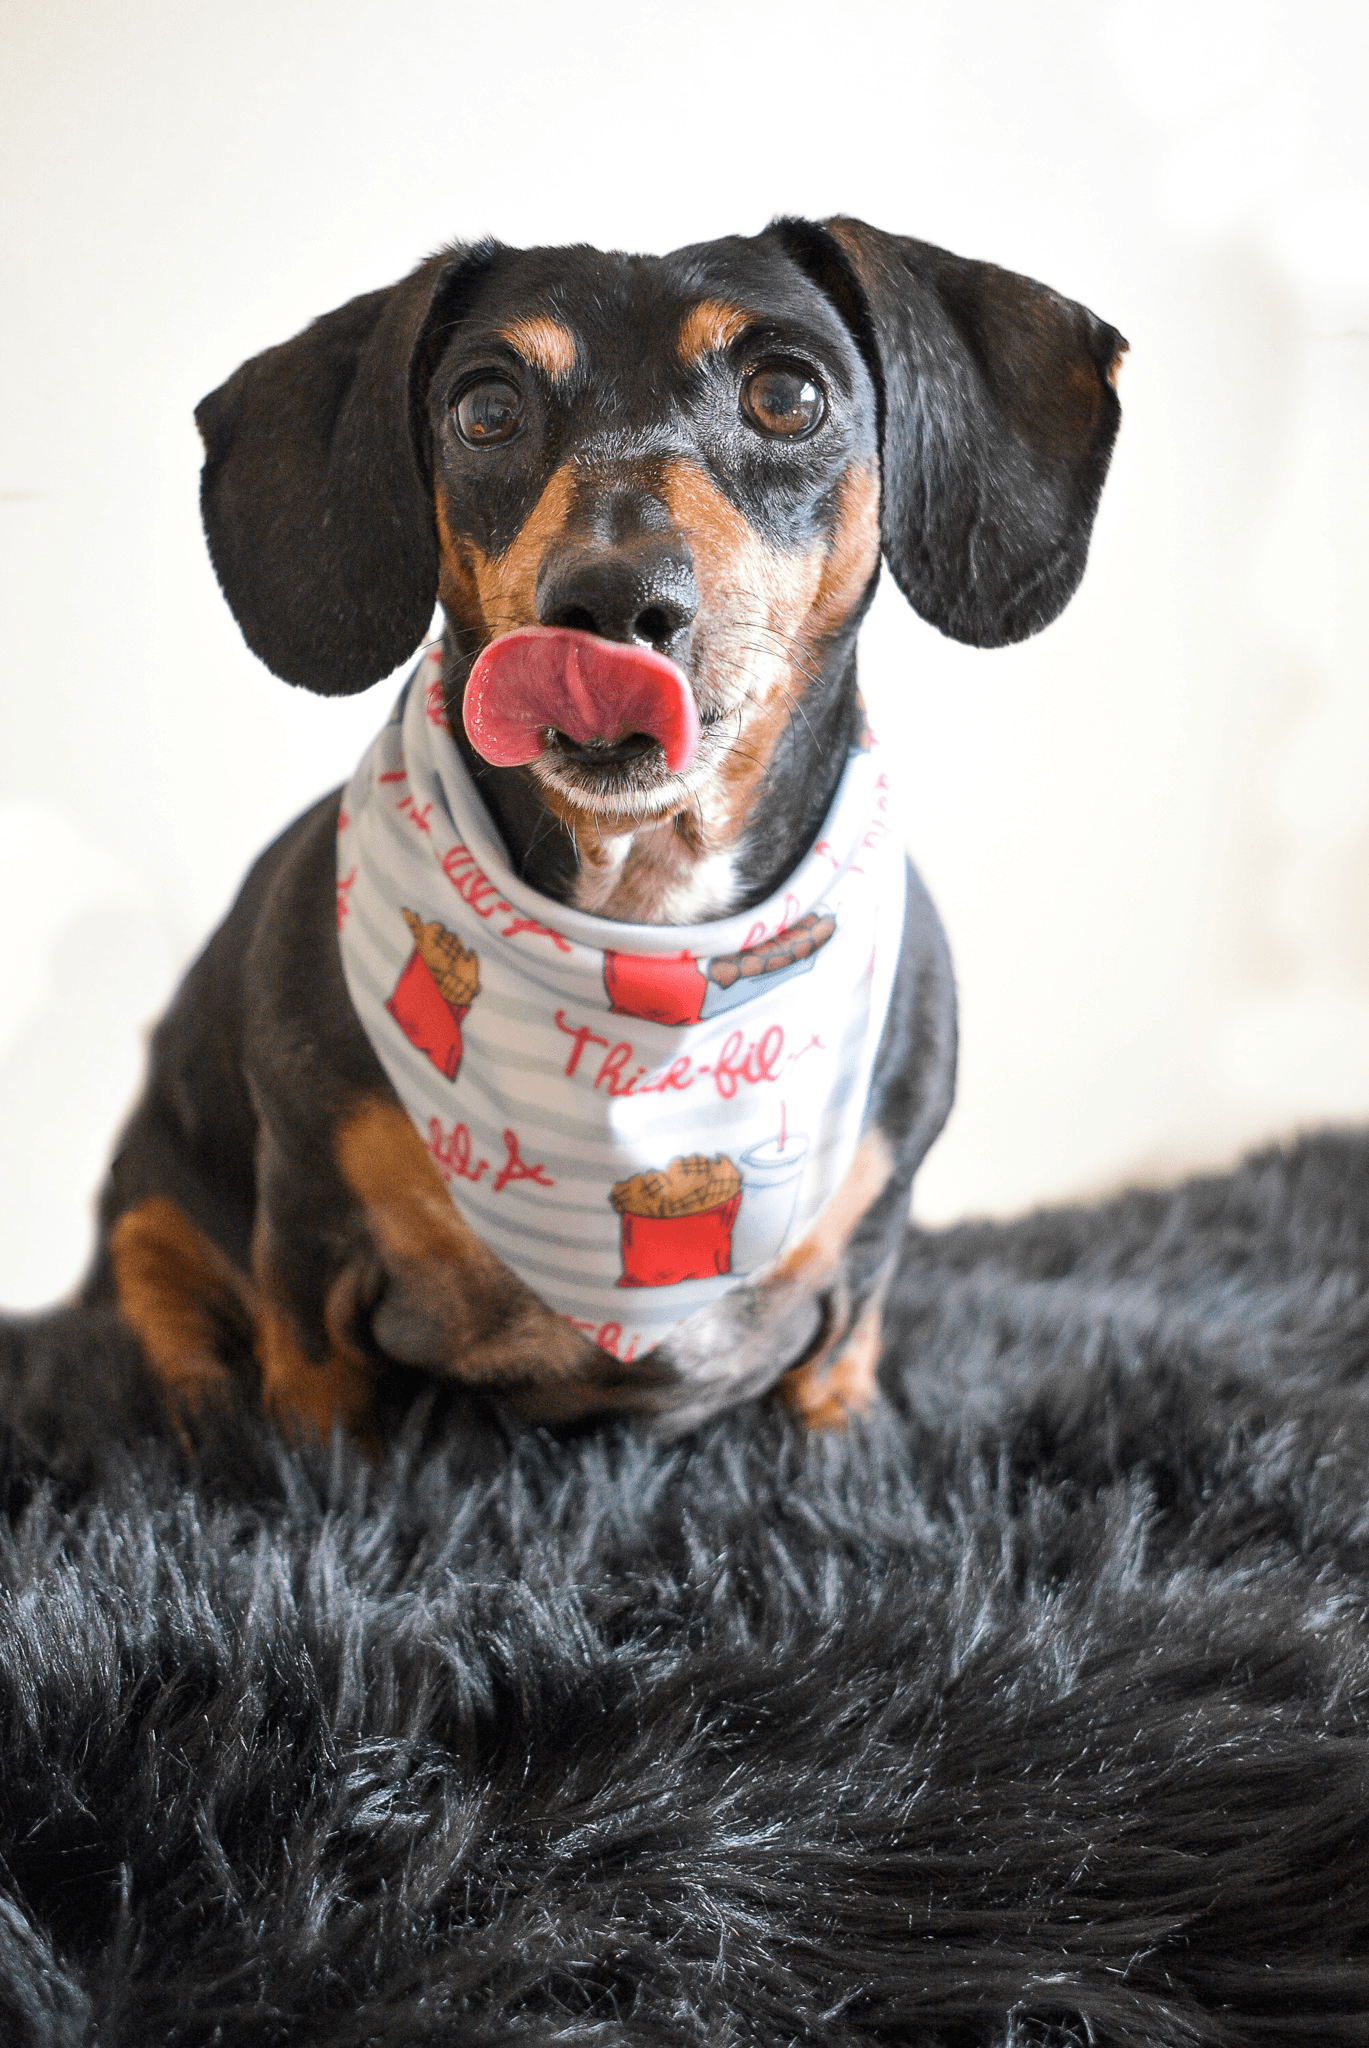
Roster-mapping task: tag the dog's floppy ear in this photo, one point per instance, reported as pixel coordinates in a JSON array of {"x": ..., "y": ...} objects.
[
  {"x": 998, "y": 416},
  {"x": 315, "y": 490}
]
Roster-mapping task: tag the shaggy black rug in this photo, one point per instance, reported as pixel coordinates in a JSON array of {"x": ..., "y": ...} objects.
[{"x": 1035, "y": 1712}]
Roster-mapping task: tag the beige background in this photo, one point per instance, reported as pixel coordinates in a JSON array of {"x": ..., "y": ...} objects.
[{"x": 1147, "y": 831}]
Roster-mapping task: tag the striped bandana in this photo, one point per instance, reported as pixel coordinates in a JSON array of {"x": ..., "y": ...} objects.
[{"x": 631, "y": 1116}]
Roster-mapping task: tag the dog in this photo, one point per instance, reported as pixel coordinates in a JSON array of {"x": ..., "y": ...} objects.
[{"x": 651, "y": 495}]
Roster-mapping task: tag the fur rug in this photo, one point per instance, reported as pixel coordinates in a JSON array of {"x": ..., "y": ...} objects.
[{"x": 1035, "y": 1712}]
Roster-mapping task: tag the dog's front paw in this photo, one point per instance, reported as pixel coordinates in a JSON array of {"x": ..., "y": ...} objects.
[{"x": 731, "y": 1351}]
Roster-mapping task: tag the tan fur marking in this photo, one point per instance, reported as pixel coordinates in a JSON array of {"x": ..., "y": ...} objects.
[
  {"x": 1115, "y": 365},
  {"x": 753, "y": 602},
  {"x": 487, "y": 1324},
  {"x": 731, "y": 561},
  {"x": 629, "y": 889},
  {"x": 546, "y": 344},
  {"x": 506, "y": 585},
  {"x": 177, "y": 1291},
  {"x": 710, "y": 326},
  {"x": 820, "y": 1249},
  {"x": 302, "y": 1392},
  {"x": 457, "y": 588},
  {"x": 390, "y": 1170},
  {"x": 825, "y": 1393},
  {"x": 852, "y": 555}
]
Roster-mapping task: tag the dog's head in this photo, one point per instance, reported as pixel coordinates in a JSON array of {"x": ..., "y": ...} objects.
[{"x": 701, "y": 454}]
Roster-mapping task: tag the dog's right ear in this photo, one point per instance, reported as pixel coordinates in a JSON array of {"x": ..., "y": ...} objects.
[
  {"x": 316, "y": 489},
  {"x": 998, "y": 415}
]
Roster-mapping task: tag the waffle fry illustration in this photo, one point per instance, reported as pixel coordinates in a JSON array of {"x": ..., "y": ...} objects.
[
  {"x": 440, "y": 981},
  {"x": 677, "y": 1221},
  {"x": 798, "y": 941}
]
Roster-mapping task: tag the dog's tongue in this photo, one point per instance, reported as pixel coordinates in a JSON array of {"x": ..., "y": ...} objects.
[{"x": 578, "y": 684}]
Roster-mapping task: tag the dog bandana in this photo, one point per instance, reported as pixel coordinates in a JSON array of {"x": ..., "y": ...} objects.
[{"x": 631, "y": 1116}]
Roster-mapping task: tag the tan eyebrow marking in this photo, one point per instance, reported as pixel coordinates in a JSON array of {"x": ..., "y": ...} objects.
[
  {"x": 709, "y": 326},
  {"x": 544, "y": 343}
]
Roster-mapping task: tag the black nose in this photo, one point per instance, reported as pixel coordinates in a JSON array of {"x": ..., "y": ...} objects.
[{"x": 642, "y": 591}]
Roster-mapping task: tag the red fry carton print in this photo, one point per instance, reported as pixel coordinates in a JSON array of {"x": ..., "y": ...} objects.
[
  {"x": 677, "y": 1224},
  {"x": 664, "y": 989},
  {"x": 440, "y": 981},
  {"x": 678, "y": 989}
]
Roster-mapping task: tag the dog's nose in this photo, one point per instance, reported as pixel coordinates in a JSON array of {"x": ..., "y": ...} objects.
[{"x": 643, "y": 592}]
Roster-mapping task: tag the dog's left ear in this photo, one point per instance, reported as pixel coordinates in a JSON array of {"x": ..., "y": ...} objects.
[
  {"x": 316, "y": 490},
  {"x": 998, "y": 416}
]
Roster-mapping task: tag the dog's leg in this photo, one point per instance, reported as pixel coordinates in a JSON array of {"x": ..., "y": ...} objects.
[
  {"x": 184, "y": 1301},
  {"x": 312, "y": 1389},
  {"x": 364, "y": 1260},
  {"x": 841, "y": 1378}
]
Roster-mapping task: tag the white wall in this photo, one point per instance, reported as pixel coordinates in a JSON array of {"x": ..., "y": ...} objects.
[{"x": 1148, "y": 830}]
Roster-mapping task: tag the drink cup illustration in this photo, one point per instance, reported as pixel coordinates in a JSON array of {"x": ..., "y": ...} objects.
[
  {"x": 677, "y": 1224},
  {"x": 440, "y": 981},
  {"x": 771, "y": 1173}
]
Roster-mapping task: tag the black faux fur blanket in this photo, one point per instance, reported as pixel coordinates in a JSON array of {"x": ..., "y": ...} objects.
[{"x": 1037, "y": 1712}]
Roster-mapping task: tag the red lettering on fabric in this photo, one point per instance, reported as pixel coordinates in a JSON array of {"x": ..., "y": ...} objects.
[
  {"x": 452, "y": 1151},
  {"x": 582, "y": 1035},
  {"x": 609, "y": 1337},
  {"x": 433, "y": 705},
  {"x": 416, "y": 816},
  {"x": 515, "y": 1167},
  {"x": 610, "y": 1074},
  {"x": 471, "y": 883},
  {"x": 344, "y": 885},
  {"x": 760, "y": 930},
  {"x": 622, "y": 1072},
  {"x": 537, "y": 931},
  {"x": 676, "y": 1075},
  {"x": 758, "y": 1063},
  {"x": 475, "y": 888}
]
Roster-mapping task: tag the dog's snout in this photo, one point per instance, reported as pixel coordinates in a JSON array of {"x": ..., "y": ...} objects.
[{"x": 643, "y": 592}]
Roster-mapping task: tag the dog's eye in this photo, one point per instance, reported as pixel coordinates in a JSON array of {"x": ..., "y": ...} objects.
[
  {"x": 781, "y": 401},
  {"x": 489, "y": 412}
]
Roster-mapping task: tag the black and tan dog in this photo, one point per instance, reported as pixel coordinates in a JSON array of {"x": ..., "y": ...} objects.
[{"x": 704, "y": 453}]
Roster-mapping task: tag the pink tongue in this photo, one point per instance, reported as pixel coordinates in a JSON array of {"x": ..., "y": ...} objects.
[{"x": 585, "y": 687}]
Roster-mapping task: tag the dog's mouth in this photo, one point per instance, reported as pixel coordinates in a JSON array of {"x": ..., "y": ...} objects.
[{"x": 607, "y": 719}]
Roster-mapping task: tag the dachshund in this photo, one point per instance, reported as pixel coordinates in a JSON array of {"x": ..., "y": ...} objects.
[{"x": 651, "y": 496}]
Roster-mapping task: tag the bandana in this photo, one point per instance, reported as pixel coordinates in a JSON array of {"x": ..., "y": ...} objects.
[{"x": 632, "y": 1117}]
